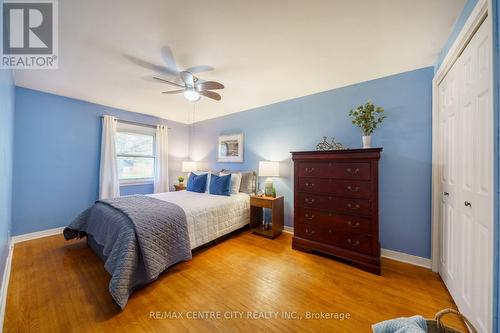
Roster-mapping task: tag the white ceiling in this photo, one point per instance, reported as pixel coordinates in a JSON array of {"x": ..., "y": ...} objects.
[{"x": 263, "y": 51}]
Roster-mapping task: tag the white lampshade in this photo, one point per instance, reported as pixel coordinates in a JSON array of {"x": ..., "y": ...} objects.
[
  {"x": 189, "y": 166},
  {"x": 269, "y": 169}
]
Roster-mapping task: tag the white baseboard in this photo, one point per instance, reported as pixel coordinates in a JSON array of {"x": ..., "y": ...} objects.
[
  {"x": 394, "y": 255},
  {"x": 5, "y": 283},
  {"x": 406, "y": 258},
  {"x": 37, "y": 234}
]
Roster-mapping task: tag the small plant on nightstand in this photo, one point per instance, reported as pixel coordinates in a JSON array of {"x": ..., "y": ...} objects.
[{"x": 180, "y": 179}]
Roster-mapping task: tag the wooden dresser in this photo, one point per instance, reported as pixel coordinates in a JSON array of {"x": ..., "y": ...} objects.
[{"x": 336, "y": 205}]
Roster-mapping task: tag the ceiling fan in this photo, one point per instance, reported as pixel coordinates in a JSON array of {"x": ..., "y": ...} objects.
[{"x": 192, "y": 87}]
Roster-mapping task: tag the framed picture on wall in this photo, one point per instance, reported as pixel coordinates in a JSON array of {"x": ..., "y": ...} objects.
[{"x": 231, "y": 148}]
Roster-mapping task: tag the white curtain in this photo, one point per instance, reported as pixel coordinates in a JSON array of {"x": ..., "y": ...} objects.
[
  {"x": 161, "y": 167},
  {"x": 109, "y": 181}
]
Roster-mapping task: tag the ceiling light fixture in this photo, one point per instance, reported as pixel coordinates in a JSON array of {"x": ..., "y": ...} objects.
[{"x": 191, "y": 95}]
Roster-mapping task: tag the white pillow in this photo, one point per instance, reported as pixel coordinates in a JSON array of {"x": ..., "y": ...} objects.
[
  {"x": 235, "y": 182},
  {"x": 208, "y": 178}
]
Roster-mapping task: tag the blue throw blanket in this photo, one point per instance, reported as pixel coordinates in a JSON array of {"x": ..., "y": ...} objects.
[
  {"x": 141, "y": 236},
  {"x": 415, "y": 324}
]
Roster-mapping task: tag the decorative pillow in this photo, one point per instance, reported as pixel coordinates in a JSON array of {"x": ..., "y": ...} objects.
[
  {"x": 235, "y": 182},
  {"x": 220, "y": 185},
  {"x": 208, "y": 177},
  {"x": 247, "y": 181},
  {"x": 197, "y": 183}
]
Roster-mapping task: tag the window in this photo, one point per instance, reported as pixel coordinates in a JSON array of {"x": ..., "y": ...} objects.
[{"x": 135, "y": 150}]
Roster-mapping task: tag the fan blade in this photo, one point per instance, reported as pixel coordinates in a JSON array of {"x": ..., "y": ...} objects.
[
  {"x": 151, "y": 66},
  {"x": 188, "y": 78},
  {"x": 200, "y": 69},
  {"x": 210, "y": 94},
  {"x": 168, "y": 82},
  {"x": 170, "y": 92},
  {"x": 209, "y": 85},
  {"x": 168, "y": 57}
]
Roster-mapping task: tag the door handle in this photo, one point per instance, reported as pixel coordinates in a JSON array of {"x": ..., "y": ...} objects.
[
  {"x": 467, "y": 204},
  {"x": 446, "y": 194}
]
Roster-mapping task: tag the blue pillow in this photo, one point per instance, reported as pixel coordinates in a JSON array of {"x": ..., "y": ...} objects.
[
  {"x": 220, "y": 185},
  {"x": 197, "y": 183}
]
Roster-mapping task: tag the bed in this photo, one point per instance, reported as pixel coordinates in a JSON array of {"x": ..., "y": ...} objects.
[{"x": 139, "y": 237}]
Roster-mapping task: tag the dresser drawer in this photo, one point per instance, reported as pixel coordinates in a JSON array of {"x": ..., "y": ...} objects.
[
  {"x": 352, "y": 224},
  {"x": 314, "y": 216},
  {"x": 355, "y": 242},
  {"x": 309, "y": 200},
  {"x": 350, "y": 170},
  {"x": 320, "y": 185},
  {"x": 351, "y": 188},
  {"x": 313, "y": 232},
  {"x": 314, "y": 169},
  {"x": 354, "y": 206},
  {"x": 336, "y": 222}
]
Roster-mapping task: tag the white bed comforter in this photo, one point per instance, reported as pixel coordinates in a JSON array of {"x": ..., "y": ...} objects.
[{"x": 210, "y": 216}]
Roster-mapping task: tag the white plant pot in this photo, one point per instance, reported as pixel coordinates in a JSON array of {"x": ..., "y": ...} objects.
[{"x": 367, "y": 141}]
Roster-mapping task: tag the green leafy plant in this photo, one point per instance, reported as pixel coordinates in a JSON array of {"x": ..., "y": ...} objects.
[
  {"x": 367, "y": 117},
  {"x": 180, "y": 179}
]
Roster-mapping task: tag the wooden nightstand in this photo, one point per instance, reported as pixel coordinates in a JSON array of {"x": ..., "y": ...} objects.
[
  {"x": 179, "y": 187},
  {"x": 256, "y": 214}
]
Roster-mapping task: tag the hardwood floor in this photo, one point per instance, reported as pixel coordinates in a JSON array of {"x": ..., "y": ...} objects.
[{"x": 59, "y": 286}]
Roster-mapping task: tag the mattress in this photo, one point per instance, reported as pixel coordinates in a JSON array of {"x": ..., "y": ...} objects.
[{"x": 210, "y": 216}]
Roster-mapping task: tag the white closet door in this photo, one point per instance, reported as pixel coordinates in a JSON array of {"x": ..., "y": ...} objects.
[
  {"x": 449, "y": 176},
  {"x": 466, "y": 149}
]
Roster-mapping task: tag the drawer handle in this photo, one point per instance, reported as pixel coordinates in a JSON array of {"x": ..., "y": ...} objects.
[
  {"x": 353, "y": 189},
  {"x": 351, "y": 171},
  {"x": 467, "y": 204},
  {"x": 353, "y": 225},
  {"x": 353, "y": 207},
  {"x": 310, "y": 232},
  {"x": 356, "y": 243},
  {"x": 309, "y": 217},
  {"x": 310, "y": 185},
  {"x": 309, "y": 170},
  {"x": 309, "y": 201}
]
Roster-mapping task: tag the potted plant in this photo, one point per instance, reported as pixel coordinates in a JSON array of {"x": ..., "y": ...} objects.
[
  {"x": 180, "y": 179},
  {"x": 367, "y": 117}
]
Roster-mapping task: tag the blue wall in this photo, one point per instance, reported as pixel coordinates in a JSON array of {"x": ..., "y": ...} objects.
[
  {"x": 272, "y": 131},
  {"x": 56, "y": 157},
  {"x": 464, "y": 15},
  {"x": 6, "y": 159}
]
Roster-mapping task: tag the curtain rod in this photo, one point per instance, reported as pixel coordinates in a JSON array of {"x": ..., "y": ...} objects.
[{"x": 133, "y": 122}]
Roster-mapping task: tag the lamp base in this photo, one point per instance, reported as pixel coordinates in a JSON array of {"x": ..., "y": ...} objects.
[{"x": 269, "y": 188}]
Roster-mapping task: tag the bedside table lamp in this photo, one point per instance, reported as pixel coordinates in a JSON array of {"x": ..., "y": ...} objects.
[
  {"x": 269, "y": 169},
  {"x": 189, "y": 166}
]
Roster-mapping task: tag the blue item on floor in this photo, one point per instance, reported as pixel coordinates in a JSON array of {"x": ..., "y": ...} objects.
[{"x": 415, "y": 324}]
